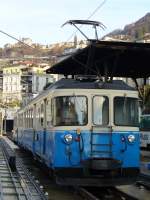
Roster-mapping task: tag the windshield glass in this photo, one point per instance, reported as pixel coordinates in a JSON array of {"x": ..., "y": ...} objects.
[
  {"x": 100, "y": 110},
  {"x": 126, "y": 111},
  {"x": 145, "y": 123},
  {"x": 70, "y": 111}
]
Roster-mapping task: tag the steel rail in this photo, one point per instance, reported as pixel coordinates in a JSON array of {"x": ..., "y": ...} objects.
[
  {"x": 38, "y": 190},
  {"x": 123, "y": 194},
  {"x": 143, "y": 176},
  {"x": 106, "y": 193},
  {"x": 143, "y": 183},
  {"x": 144, "y": 180},
  {"x": 86, "y": 194},
  {"x": 10, "y": 173},
  {"x": 1, "y": 188},
  {"x": 24, "y": 186}
]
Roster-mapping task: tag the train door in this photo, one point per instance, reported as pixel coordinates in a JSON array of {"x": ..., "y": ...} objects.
[{"x": 101, "y": 133}]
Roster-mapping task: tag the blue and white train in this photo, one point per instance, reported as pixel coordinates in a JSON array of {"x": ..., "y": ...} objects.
[{"x": 86, "y": 132}]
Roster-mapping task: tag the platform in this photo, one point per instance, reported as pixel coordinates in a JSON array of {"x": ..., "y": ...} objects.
[{"x": 10, "y": 143}]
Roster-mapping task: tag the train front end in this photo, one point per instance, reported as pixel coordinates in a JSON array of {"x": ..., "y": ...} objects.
[{"x": 96, "y": 137}]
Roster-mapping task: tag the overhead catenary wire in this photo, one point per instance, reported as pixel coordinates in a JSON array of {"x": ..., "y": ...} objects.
[
  {"x": 91, "y": 15},
  {"x": 97, "y": 8},
  {"x": 16, "y": 39}
]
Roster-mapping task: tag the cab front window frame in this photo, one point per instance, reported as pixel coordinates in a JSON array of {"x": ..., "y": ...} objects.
[
  {"x": 68, "y": 111},
  {"x": 128, "y": 113}
]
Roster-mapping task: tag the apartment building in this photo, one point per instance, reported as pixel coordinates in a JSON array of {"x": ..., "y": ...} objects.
[{"x": 22, "y": 82}]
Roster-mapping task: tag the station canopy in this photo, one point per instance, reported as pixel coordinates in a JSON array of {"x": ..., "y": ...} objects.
[{"x": 114, "y": 59}]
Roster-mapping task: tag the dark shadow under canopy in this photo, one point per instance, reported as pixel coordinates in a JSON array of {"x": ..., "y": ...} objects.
[{"x": 114, "y": 59}]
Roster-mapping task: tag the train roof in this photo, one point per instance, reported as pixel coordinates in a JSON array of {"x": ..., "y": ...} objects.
[
  {"x": 88, "y": 84},
  {"x": 82, "y": 84},
  {"x": 117, "y": 59}
]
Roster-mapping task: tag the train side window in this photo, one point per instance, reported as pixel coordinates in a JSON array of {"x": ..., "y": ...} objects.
[
  {"x": 38, "y": 115},
  {"x": 42, "y": 115},
  {"x": 24, "y": 119},
  {"x": 28, "y": 118},
  {"x": 48, "y": 113},
  {"x": 100, "y": 110},
  {"x": 21, "y": 120},
  {"x": 27, "y": 113},
  {"x": 32, "y": 118}
]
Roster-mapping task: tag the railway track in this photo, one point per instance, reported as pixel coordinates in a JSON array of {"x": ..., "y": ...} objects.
[
  {"x": 110, "y": 193},
  {"x": 15, "y": 181},
  {"x": 144, "y": 180},
  {"x": 138, "y": 191}
]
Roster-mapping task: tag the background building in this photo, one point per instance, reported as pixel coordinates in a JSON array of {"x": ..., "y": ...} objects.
[{"x": 23, "y": 82}]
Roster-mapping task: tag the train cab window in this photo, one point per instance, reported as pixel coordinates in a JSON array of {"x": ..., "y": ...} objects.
[
  {"x": 100, "y": 110},
  {"x": 69, "y": 111},
  {"x": 126, "y": 111}
]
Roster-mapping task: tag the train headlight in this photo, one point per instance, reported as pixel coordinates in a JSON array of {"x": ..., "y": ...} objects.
[
  {"x": 131, "y": 138},
  {"x": 68, "y": 138}
]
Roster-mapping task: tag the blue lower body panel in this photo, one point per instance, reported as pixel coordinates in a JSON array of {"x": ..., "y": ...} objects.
[
  {"x": 101, "y": 146},
  {"x": 88, "y": 153}
]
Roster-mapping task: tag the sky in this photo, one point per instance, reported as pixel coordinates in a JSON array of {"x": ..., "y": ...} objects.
[{"x": 41, "y": 20}]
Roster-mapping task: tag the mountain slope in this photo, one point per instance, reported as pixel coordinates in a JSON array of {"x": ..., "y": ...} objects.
[{"x": 135, "y": 30}]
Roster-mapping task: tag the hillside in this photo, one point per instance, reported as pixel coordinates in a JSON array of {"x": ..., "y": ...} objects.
[{"x": 136, "y": 30}]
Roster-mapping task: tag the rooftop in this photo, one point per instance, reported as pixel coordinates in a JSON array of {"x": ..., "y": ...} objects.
[{"x": 114, "y": 59}]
